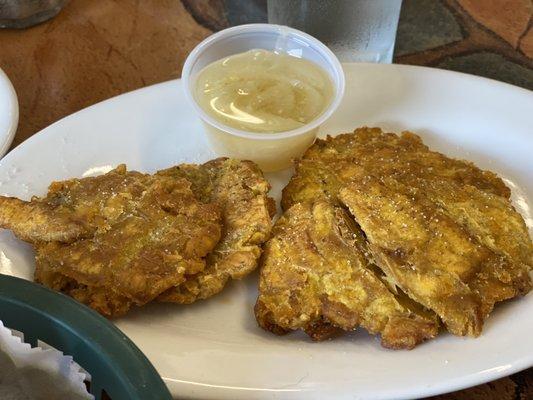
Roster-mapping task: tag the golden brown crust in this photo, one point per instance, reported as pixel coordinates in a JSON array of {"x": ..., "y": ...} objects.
[
  {"x": 322, "y": 330},
  {"x": 439, "y": 228},
  {"x": 33, "y": 222},
  {"x": 436, "y": 250},
  {"x": 329, "y": 163},
  {"x": 102, "y": 299},
  {"x": 241, "y": 191},
  {"x": 147, "y": 233},
  {"x": 124, "y": 238},
  {"x": 315, "y": 276}
]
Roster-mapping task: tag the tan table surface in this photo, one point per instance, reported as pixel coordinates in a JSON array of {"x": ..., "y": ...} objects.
[{"x": 94, "y": 50}]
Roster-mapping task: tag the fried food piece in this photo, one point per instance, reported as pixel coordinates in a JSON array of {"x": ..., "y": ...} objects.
[
  {"x": 241, "y": 191},
  {"x": 329, "y": 164},
  {"x": 316, "y": 277},
  {"x": 106, "y": 301},
  {"x": 441, "y": 229},
  {"x": 33, "y": 221},
  {"x": 437, "y": 261},
  {"x": 142, "y": 235},
  {"x": 73, "y": 208}
]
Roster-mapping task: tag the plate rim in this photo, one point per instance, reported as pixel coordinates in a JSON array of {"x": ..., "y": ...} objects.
[{"x": 406, "y": 67}]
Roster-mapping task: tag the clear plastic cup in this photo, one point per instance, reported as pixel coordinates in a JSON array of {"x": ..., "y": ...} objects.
[{"x": 271, "y": 151}]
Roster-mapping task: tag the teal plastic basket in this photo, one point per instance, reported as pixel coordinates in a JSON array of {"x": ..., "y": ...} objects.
[{"x": 116, "y": 365}]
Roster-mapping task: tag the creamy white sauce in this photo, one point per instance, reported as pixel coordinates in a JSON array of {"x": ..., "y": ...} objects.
[{"x": 264, "y": 91}]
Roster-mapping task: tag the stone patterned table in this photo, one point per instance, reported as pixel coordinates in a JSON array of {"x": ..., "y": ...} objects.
[{"x": 97, "y": 49}]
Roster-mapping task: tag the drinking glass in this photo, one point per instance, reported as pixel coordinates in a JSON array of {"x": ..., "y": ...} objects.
[
  {"x": 26, "y": 13},
  {"x": 355, "y": 30}
]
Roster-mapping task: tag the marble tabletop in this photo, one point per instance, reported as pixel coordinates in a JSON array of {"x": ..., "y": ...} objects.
[{"x": 94, "y": 50}]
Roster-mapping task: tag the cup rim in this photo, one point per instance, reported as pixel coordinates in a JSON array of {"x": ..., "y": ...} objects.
[{"x": 255, "y": 28}]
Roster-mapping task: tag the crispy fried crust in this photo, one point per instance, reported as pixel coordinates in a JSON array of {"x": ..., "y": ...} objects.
[
  {"x": 147, "y": 233},
  {"x": 315, "y": 276},
  {"x": 439, "y": 260},
  {"x": 33, "y": 221},
  {"x": 330, "y": 163},
  {"x": 241, "y": 191},
  {"x": 441, "y": 229}
]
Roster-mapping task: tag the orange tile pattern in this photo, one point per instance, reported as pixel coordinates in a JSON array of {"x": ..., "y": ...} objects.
[
  {"x": 489, "y": 26},
  {"x": 508, "y": 19},
  {"x": 94, "y": 50},
  {"x": 526, "y": 44}
]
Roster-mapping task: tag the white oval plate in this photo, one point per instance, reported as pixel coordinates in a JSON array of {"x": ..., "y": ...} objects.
[{"x": 213, "y": 349}]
